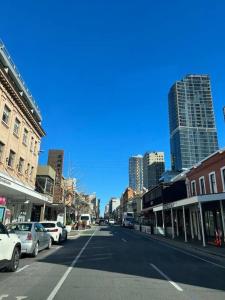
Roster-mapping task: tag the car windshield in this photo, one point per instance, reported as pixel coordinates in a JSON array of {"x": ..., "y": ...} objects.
[
  {"x": 20, "y": 227},
  {"x": 48, "y": 225},
  {"x": 84, "y": 218}
]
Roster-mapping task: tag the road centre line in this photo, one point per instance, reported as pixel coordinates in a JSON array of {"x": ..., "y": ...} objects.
[
  {"x": 23, "y": 268},
  {"x": 125, "y": 241},
  {"x": 187, "y": 253},
  {"x": 174, "y": 284},
  {"x": 69, "y": 269}
]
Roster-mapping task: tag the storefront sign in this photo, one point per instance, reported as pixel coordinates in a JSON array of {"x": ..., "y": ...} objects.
[{"x": 2, "y": 201}]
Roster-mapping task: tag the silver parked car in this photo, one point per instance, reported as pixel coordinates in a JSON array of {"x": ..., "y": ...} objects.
[{"x": 34, "y": 237}]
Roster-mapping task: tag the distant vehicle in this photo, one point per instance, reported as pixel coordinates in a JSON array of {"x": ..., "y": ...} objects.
[
  {"x": 128, "y": 219},
  {"x": 10, "y": 246},
  {"x": 111, "y": 221},
  {"x": 56, "y": 230},
  {"x": 101, "y": 222},
  {"x": 34, "y": 237},
  {"x": 86, "y": 218}
]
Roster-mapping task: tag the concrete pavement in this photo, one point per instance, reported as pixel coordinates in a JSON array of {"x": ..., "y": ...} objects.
[{"x": 116, "y": 263}]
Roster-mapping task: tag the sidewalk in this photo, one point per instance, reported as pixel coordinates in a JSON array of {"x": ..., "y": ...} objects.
[{"x": 191, "y": 244}]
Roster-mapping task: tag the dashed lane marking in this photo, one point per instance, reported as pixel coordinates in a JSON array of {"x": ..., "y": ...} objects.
[
  {"x": 23, "y": 268},
  {"x": 125, "y": 241},
  {"x": 174, "y": 284},
  {"x": 3, "y": 296}
]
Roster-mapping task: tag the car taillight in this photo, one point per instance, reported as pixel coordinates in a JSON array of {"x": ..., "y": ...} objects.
[
  {"x": 29, "y": 237},
  {"x": 53, "y": 230}
]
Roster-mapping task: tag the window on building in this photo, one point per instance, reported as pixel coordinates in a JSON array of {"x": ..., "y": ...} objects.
[
  {"x": 31, "y": 173},
  {"x": 32, "y": 144},
  {"x": 212, "y": 182},
  {"x": 21, "y": 165},
  {"x": 222, "y": 176},
  {"x": 202, "y": 185},
  {"x": 16, "y": 127},
  {"x": 28, "y": 169},
  {"x": 2, "y": 147},
  {"x": 25, "y": 136},
  {"x": 11, "y": 158},
  {"x": 193, "y": 188},
  {"x": 6, "y": 115},
  {"x": 35, "y": 147}
]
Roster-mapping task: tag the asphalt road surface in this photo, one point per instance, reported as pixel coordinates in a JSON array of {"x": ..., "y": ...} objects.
[{"x": 111, "y": 262}]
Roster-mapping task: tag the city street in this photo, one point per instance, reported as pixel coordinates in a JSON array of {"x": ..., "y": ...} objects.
[{"x": 111, "y": 262}]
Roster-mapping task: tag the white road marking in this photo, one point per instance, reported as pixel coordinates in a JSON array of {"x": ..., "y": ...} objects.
[
  {"x": 187, "y": 253},
  {"x": 21, "y": 297},
  {"x": 23, "y": 268},
  {"x": 69, "y": 269},
  {"x": 167, "y": 278},
  {"x": 3, "y": 296},
  {"x": 125, "y": 241}
]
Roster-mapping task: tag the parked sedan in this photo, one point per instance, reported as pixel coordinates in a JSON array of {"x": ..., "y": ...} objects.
[
  {"x": 34, "y": 237},
  {"x": 10, "y": 246},
  {"x": 56, "y": 230}
]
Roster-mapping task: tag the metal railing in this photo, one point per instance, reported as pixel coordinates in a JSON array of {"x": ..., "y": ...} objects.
[{"x": 18, "y": 75}]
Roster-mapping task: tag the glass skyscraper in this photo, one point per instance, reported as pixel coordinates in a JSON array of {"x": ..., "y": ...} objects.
[
  {"x": 193, "y": 134},
  {"x": 136, "y": 172}
]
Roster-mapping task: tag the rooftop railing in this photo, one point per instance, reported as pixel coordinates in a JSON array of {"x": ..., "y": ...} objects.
[{"x": 18, "y": 76}]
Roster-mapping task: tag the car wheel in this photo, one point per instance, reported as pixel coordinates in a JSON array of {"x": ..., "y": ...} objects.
[
  {"x": 49, "y": 243},
  {"x": 35, "y": 251},
  {"x": 14, "y": 263}
]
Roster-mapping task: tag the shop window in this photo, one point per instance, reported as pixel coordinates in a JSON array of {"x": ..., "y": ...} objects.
[
  {"x": 6, "y": 115},
  {"x": 212, "y": 183},
  {"x": 21, "y": 165},
  {"x": 222, "y": 177},
  {"x": 202, "y": 185},
  {"x": 2, "y": 147},
  {"x": 16, "y": 127},
  {"x": 11, "y": 158},
  {"x": 193, "y": 188}
]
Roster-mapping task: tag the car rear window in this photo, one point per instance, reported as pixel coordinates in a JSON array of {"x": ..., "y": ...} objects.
[
  {"x": 20, "y": 227},
  {"x": 48, "y": 225}
]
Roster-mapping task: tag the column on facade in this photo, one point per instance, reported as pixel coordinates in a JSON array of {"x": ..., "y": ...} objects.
[
  {"x": 202, "y": 224},
  {"x": 42, "y": 217},
  {"x": 163, "y": 221},
  {"x": 177, "y": 225},
  {"x": 198, "y": 227},
  {"x": 191, "y": 223},
  {"x": 184, "y": 225},
  {"x": 172, "y": 222},
  {"x": 222, "y": 216},
  {"x": 156, "y": 223}
]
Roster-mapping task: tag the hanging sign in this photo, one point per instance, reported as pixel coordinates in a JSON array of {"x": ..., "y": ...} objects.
[{"x": 2, "y": 201}]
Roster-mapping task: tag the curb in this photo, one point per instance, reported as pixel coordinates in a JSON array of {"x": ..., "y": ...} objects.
[{"x": 203, "y": 250}]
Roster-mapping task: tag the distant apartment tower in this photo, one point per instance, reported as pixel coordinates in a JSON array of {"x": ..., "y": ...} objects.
[
  {"x": 193, "y": 134},
  {"x": 113, "y": 204},
  {"x": 136, "y": 172},
  {"x": 153, "y": 168},
  {"x": 55, "y": 160}
]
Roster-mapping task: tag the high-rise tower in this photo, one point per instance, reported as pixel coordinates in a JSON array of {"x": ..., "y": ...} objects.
[
  {"x": 136, "y": 172},
  {"x": 193, "y": 134}
]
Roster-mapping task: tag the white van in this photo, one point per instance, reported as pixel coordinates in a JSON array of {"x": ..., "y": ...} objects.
[{"x": 86, "y": 218}]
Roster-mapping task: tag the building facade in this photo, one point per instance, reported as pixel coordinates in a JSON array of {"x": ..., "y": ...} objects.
[
  {"x": 20, "y": 138},
  {"x": 113, "y": 204},
  {"x": 193, "y": 134},
  {"x": 153, "y": 168},
  {"x": 136, "y": 172}
]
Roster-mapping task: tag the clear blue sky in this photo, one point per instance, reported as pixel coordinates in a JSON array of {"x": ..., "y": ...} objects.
[{"x": 101, "y": 70}]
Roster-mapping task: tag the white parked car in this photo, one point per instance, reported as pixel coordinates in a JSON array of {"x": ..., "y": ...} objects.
[
  {"x": 86, "y": 219},
  {"x": 10, "y": 249},
  {"x": 56, "y": 230}
]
